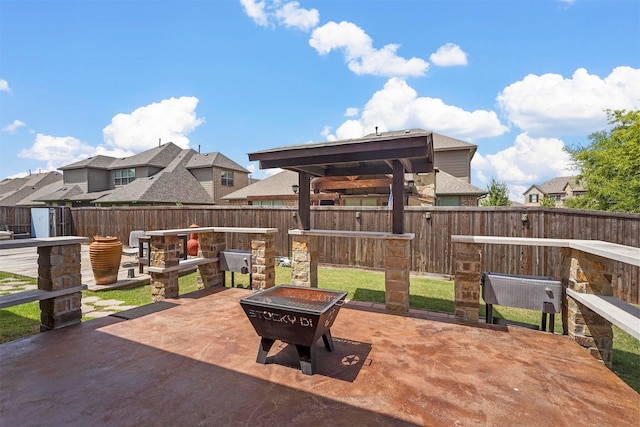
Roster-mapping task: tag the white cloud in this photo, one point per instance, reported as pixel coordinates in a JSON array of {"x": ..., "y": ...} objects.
[
  {"x": 11, "y": 128},
  {"x": 529, "y": 160},
  {"x": 293, "y": 16},
  {"x": 351, "y": 112},
  {"x": 170, "y": 120},
  {"x": 359, "y": 53},
  {"x": 326, "y": 132},
  {"x": 57, "y": 150},
  {"x": 289, "y": 14},
  {"x": 4, "y": 86},
  {"x": 551, "y": 105},
  {"x": 449, "y": 55},
  {"x": 397, "y": 106},
  {"x": 256, "y": 11}
]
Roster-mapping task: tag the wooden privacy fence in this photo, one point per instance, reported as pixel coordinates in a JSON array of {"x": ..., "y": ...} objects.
[{"x": 433, "y": 227}]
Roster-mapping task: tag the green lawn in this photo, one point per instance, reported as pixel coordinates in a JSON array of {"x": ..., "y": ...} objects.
[{"x": 361, "y": 285}]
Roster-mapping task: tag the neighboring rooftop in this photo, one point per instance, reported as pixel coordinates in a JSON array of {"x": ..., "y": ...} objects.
[
  {"x": 557, "y": 185},
  {"x": 449, "y": 185},
  {"x": 26, "y": 191}
]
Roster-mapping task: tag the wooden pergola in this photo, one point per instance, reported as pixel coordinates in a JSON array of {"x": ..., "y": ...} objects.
[{"x": 395, "y": 153}]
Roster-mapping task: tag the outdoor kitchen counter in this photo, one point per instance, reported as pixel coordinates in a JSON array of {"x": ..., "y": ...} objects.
[
  {"x": 176, "y": 231},
  {"x": 589, "y": 306},
  {"x": 613, "y": 251},
  {"x": 164, "y": 264}
]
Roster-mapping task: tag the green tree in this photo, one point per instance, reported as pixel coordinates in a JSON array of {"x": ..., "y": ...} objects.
[
  {"x": 498, "y": 194},
  {"x": 610, "y": 166},
  {"x": 548, "y": 201}
]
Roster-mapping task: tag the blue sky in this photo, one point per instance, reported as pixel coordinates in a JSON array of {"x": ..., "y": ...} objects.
[{"x": 518, "y": 78}]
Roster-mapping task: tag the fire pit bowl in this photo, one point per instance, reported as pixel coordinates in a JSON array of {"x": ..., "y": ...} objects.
[{"x": 294, "y": 315}]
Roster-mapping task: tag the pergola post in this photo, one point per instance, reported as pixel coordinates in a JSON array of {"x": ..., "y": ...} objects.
[
  {"x": 397, "y": 189},
  {"x": 304, "y": 200}
]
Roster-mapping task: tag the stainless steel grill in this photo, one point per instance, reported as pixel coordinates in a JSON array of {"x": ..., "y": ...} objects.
[{"x": 532, "y": 292}]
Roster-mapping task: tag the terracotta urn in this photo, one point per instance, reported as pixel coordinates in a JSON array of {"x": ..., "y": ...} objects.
[
  {"x": 105, "y": 254},
  {"x": 192, "y": 244}
]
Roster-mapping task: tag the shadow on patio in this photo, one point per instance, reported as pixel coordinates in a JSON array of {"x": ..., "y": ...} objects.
[{"x": 194, "y": 364}]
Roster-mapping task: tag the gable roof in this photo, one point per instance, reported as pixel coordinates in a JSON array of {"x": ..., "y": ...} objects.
[
  {"x": 172, "y": 184},
  {"x": 449, "y": 185},
  {"x": 25, "y": 191},
  {"x": 275, "y": 185},
  {"x": 557, "y": 185},
  {"x": 216, "y": 159},
  {"x": 159, "y": 157},
  {"x": 95, "y": 162}
]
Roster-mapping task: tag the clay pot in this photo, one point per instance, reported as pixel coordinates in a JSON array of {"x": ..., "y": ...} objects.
[
  {"x": 192, "y": 244},
  {"x": 105, "y": 254}
]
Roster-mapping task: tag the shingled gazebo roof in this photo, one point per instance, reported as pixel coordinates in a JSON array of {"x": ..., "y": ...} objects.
[
  {"x": 409, "y": 151},
  {"x": 369, "y": 155}
]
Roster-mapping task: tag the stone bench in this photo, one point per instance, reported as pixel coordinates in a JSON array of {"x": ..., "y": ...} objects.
[
  {"x": 24, "y": 297},
  {"x": 622, "y": 314},
  {"x": 184, "y": 264},
  {"x": 165, "y": 263},
  {"x": 59, "y": 280}
]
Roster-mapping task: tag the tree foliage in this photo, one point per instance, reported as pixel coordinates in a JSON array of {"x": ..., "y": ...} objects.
[
  {"x": 548, "y": 201},
  {"x": 610, "y": 166},
  {"x": 498, "y": 194}
]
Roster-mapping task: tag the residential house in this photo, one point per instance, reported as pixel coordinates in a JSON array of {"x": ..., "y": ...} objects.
[
  {"x": 27, "y": 190},
  {"x": 451, "y": 186},
  {"x": 559, "y": 188},
  {"x": 163, "y": 175}
]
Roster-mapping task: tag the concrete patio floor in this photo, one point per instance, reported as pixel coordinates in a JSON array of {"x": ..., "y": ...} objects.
[{"x": 193, "y": 364}]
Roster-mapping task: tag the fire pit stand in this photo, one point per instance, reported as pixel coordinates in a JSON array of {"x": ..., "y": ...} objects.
[{"x": 295, "y": 315}]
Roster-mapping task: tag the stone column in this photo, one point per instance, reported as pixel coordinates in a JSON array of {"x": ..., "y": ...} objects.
[
  {"x": 468, "y": 274},
  {"x": 165, "y": 253},
  {"x": 590, "y": 274},
  {"x": 304, "y": 268},
  {"x": 263, "y": 261},
  {"x": 397, "y": 264},
  {"x": 59, "y": 268},
  {"x": 209, "y": 246}
]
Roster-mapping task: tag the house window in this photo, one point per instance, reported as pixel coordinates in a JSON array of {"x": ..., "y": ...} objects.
[
  {"x": 533, "y": 198},
  {"x": 124, "y": 176},
  {"x": 557, "y": 197},
  {"x": 227, "y": 178}
]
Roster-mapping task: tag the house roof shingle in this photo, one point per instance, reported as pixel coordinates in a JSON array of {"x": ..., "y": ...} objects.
[
  {"x": 173, "y": 184},
  {"x": 449, "y": 185},
  {"x": 25, "y": 191},
  {"x": 216, "y": 159},
  {"x": 277, "y": 184},
  {"x": 95, "y": 162},
  {"x": 159, "y": 156}
]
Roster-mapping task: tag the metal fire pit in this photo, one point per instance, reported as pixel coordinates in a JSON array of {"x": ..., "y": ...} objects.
[
  {"x": 532, "y": 292},
  {"x": 235, "y": 260},
  {"x": 294, "y": 315}
]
